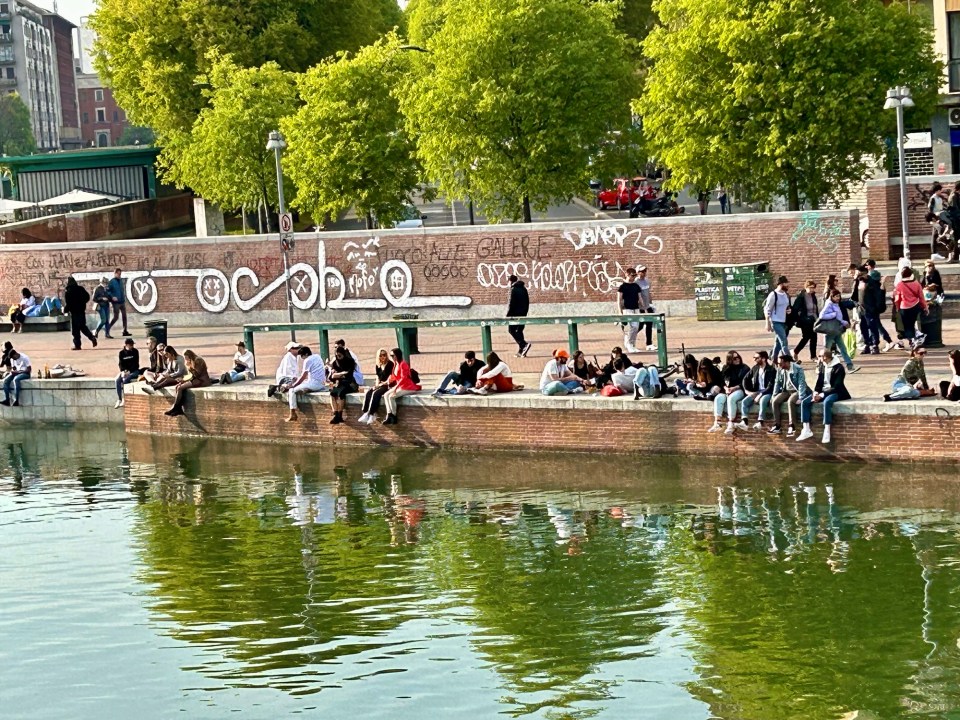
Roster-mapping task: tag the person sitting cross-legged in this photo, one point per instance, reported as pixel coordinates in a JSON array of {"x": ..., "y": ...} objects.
[
  {"x": 557, "y": 378},
  {"x": 287, "y": 371},
  {"x": 313, "y": 378},
  {"x": 495, "y": 376}
]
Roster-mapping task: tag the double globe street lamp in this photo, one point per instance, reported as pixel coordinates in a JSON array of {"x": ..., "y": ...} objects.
[{"x": 899, "y": 98}]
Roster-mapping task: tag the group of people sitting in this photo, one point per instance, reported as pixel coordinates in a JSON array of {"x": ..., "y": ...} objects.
[{"x": 29, "y": 306}]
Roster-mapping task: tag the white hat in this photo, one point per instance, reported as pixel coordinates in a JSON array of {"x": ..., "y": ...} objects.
[
  {"x": 641, "y": 268},
  {"x": 292, "y": 345}
]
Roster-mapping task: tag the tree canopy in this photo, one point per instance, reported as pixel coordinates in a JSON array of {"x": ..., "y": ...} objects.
[
  {"x": 16, "y": 133},
  {"x": 348, "y": 143},
  {"x": 515, "y": 97},
  {"x": 224, "y": 158},
  {"x": 781, "y": 96}
]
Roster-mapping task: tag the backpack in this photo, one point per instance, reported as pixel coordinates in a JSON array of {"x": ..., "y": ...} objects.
[
  {"x": 415, "y": 376},
  {"x": 611, "y": 391}
]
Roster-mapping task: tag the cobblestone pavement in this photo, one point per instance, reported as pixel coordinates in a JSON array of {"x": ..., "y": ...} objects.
[{"x": 442, "y": 349}]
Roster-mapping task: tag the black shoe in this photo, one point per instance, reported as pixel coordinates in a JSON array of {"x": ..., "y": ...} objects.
[
  {"x": 225, "y": 379},
  {"x": 271, "y": 389},
  {"x": 127, "y": 334},
  {"x": 526, "y": 349},
  {"x": 336, "y": 419},
  {"x": 886, "y": 398},
  {"x": 5, "y": 402},
  {"x": 94, "y": 342},
  {"x": 636, "y": 393},
  {"x": 775, "y": 430},
  {"x": 16, "y": 403}
]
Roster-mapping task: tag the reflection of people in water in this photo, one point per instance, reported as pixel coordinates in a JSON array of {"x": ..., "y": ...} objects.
[
  {"x": 309, "y": 508},
  {"x": 403, "y": 511}
]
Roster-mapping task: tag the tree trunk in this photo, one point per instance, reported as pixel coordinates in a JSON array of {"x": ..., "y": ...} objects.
[
  {"x": 243, "y": 218},
  {"x": 793, "y": 190},
  {"x": 259, "y": 220},
  {"x": 527, "y": 216},
  {"x": 369, "y": 219}
]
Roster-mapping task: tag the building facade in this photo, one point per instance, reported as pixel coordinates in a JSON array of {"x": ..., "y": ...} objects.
[
  {"x": 61, "y": 31},
  {"x": 102, "y": 121}
]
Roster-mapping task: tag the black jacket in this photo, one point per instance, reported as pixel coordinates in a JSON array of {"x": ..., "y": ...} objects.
[
  {"x": 751, "y": 383},
  {"x": 837, "y": 375},
  {"x": 519, "y": 300},
  {"x": 933, "y": 278},
  {"x": 874, "y": 298},
  {"x": 468, "y": 373},
  {"x": 800, "y": 314},
  {"x": 733, "y": 375},
  {"x": 129, "y": 360},
  {"x": 75, "y": 299}
]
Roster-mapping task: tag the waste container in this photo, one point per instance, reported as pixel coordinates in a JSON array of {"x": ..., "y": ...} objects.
[
  {"x": 407, "y": 336},
  {"x": 157, "y": 329},
  {"x": 731, "y": 292},
  {"x": 931, "y": 325}
]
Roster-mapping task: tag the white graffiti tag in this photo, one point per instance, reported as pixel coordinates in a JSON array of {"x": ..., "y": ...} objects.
[
  {"x": 613, "y": 236},
  {"x": 597, "y": 274}
]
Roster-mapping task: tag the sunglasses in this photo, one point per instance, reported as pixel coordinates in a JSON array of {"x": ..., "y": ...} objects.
[{"x": 922, "y": 353}]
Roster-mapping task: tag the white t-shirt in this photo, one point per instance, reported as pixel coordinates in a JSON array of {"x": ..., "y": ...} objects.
[
  {"x": 500, "y": 369},
  {"x": 20, "y": 364},
  {"x": 29, "y": 302},
  {"x": 288, "y": 367},
  {"x": 623, "y": 381},
  {"x": 552, "y": 368},
  {"x": 247, "y": 359},
  {"x": 313, "y": 367}
]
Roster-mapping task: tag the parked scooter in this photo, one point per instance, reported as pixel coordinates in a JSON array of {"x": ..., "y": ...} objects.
[{"x": 663, "y": 206}]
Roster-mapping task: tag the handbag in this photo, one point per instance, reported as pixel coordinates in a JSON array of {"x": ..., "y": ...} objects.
[{"x": 828, "y": 327}]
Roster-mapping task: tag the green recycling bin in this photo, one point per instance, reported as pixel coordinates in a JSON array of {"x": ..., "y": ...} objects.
[{"x": 731, "y": 292}]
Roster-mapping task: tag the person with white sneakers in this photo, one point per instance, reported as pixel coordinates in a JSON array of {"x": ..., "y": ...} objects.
[
  {"x": 829, "y": 389},
  {"x": 791, "y": 388},
  {"x": 758, "y": 386},
  {"x": 557, "y": 378},
  {"x": 628, "y": 303},
  {"x": 646, "y": 304},
  {"x": 313, "y": 378},
  {"x": 734, "y": 371}
]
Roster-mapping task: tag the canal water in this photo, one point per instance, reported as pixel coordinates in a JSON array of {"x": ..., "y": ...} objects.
[{"x": 153, "y": 578}]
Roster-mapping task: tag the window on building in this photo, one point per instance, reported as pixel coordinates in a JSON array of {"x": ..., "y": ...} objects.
[
  {"x": 4, "y": 8},
  {"x": 86, "y": 118},
  {"x": 953, "y": 64},
  {"x": 101, "y": 115},
  {"x": 103, "y": 140},
  {"x": 98, "y": 95},
  {"x": 116, "y": 116},
  {"x": 10, "y": 73}
]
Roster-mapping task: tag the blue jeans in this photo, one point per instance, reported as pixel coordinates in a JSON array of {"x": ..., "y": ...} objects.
[
  {"x": 452, "y": 377},
  {"x": 828, "y": 402},
  {"x": 903, "y": 390},
  {"x": 780, "y": 343},
  {"x": 874, "y": 329},
  {"x": 748, "y": 401},
  {"x": 124, "y": 378},
  {"x": 104, "y": 312},
  {"x": 837, "y": 340},
  {"x": 729, "y": 402},
  {"x": 14, "y": 380},
  {"x": 236, "y": 377},
  {"x": 648, "y": 380},
  {"x": 556, "y": 387}
]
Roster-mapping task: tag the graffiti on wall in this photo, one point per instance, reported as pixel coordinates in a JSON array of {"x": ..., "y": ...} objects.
[
  {"x": 825, "y": 234},
  {"x": 322, "y": 287}
]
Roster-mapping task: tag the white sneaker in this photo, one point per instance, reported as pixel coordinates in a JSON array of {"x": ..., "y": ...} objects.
[
  {"x": 631, "y": 349},
  {"x": 118, "y": 405},
  {"x": 826, "y": 439},
  {"x": 758, "y": 426},
  {"x": 577, "y": 390},
  {"x": 937, "y": 256},
  {"x": 714, "y": 428},
  {"x": 363, "y": 418},
  {"x": 371, "y": 419},
  {"x": 805, "y": 435},
  {"x": 651, "y": 347},
  {"x": 742, "y": 425},
  {"x": 729, "y": 430}
]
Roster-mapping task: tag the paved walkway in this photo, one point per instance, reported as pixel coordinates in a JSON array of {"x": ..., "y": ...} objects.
[{"x": 442, "y": 349}]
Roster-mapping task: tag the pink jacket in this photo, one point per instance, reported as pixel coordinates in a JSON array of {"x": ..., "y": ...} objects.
[{"x": 907, "y": 294}]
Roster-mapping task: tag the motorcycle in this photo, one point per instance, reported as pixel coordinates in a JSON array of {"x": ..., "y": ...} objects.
[{"x": 662, "y": 206}]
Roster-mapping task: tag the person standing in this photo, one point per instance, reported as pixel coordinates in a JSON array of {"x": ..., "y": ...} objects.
[
  {"x": 75, "y": 299},
  {"x": 909, "y": 301},
  {"x": 724, "y": 200},
  {"x": 806, "y": 310},
  {"x": 953, "y": 210},
  {"x": 101, "y": 298},
  {"x": 118, "y": 299},
  {"x": 628, "y": 303},
  {"x": 646, "y": 303},
  {"x": 129, "y": 368},
  {"x": 703, "y": 200},
  {"x": 776, "y": 309},
  {"x": 20, "y": 370},
  {"x": 935, "y": 206},
  {"x": 519, "y": 307}
]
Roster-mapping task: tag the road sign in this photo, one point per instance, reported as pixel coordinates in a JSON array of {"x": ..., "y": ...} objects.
[{"x": 286, "y": 230}]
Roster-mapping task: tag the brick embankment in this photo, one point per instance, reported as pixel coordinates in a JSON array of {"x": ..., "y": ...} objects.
[{"x": 863, "y": 430}]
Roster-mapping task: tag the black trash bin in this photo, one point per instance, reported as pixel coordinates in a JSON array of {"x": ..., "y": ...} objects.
[
  {"x": 408, "y": 334},
  {"x": 931, "y": 325},
  {"x": 157, "y": 329}
]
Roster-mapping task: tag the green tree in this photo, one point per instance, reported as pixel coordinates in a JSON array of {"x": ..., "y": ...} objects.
[
  {"x": 224, "y": 158},
  {"x": 515, "y": 98},
  {"x": 16, "y": 135},
  {"x": 151, "y": 52},
  {"x": 137, "y": 135},
  {"x": 348, "y": 143},
  {"x": 766, "y": 93}
]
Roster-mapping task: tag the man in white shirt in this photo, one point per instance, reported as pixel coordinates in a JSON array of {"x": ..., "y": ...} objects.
[
  {"x": 287, "y": 371},
  {"x": 557, "y": 378},
  {"x": 242, "y": 366},
  {"x": 312, "y": 378},
  {"x": 20, "y": 370},
  {"x": 775, "y": 309}
]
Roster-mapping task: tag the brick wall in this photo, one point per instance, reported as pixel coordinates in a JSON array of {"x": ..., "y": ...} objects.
[
  {"x": 439, "y": 270},
  {"x": 861, "y": 431},
  {"x": 124, "y": 220},
  {"x": 883, "y": 213}
]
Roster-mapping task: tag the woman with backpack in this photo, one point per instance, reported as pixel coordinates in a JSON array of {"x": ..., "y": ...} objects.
[{"x": 403, "y": 381}]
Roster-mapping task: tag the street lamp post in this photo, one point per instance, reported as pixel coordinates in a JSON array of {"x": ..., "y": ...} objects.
[
  {"x": 276, "y": 143},
  {"x": 899, "y": 98}
]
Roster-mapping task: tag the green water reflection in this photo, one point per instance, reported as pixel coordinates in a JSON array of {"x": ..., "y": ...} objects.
[{"x": 542, "y": 586}]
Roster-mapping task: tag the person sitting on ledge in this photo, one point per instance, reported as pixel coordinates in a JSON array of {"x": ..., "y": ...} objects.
[
  {"x": 373, "y": 395},
  {"x": 174, "y": 368},
  {"x": 791, "y": 388},
  {"x": 733, "y": 373},
  {"x": 344, "y": 382},
  {"x": 313, "y": 378},
  {"x": 287, "y": 371},
  {"x": 621, "y": 380},
  {"x": 829, "y": 389},
  {"x": 402, "y": 382},
  {"x": 462, "y": 379},
  {"x": 557, "y": 378},
  {"x": 495, "y": 377},
  {"x": 5, "y": 362},
  {"x": 709, "y": 381},
  {"x": 758, "y": 386},
  {"x": 199, "y": 377},
  {"x": 584, "y": 370},
  {"x": 911, "y": 383},
  {"x": 129, "y": 368},
  {"x": 242, "y": 366},
  {"x": 20, "y": 370},
  {"x": 646, "y": 381},
  {"x": 155, "y": 351},
  {"x": 357, "y": 373},
  {"x": 21, "y": 311},
  {"x": 950, "y": 389}
]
